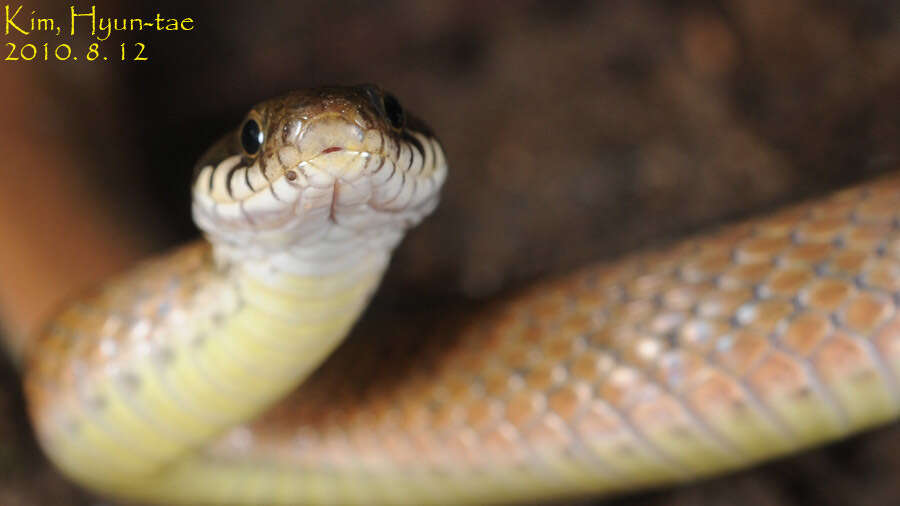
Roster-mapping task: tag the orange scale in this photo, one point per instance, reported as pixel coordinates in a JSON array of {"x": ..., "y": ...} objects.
[
  {"x": 761, "y": 249},
  {"x": 633, "y": 311},
  {"x": 550, "y": 307},
  {"x": 558, "y": 286},
  {"x": 480, "y": 413},
  {"x": 602, "y": 338},
  {"x": 741, "y": 350},
  {"x": 840, "y": 357},
  {"x": 545, "y": 376},
  {"x": 523, "y": 407},
  {"x": 666, "y": 321},
  {"x": 512, "y": 310},
  {"x": 69, "y": 322},
  {"x": 685, "y": 248},
  {"x": 579, "y": 324},
  {"x": 835, "y": 209},
  {"x": 498, "y": 381},
  {"x": 502, "y": 330},
  {"x": 869, "y": 236},
  {"x": 708, "y": 266},
  {"x": 560, "y": 348},
  {"x": 682, "y": 370},
  {"x": 853, "y": 195},
  {"x": 892, "y": 248},
  {"x": 723, "y": 303},
  {"x": 847, "y": 262},
  {"x": 531, "y": 335},
  {"x": 569, "y": 399},
  {"x": 414, "y": 415},
  {"x": 462, "y": 387},
  {"x": 589, "y": 302},
  {"x": 806, "y": 331},
  {"x": 778, "y": 374},
  {"x": 624, "y": 336},
  {"x": 806, "y": 255},
  {"x": 592, "y": 365},
  {"x": 882, "y": 274},
  {"x": 664, "y": 271},
  {"x": 717, "y": 393},
  {"x": 878, "y": 209},
  {"x": 519, "y": 356},
  {"x": 887, "y": 185},
  {"x": 683, "y": 297},
  {"x": 866, "y": 312},
  {"x": 822, "y": 229},
  {"x": 783, "y": 222},
  {"x": 742, "y": 275},
  {"x": 473, "y": 362},
  {"x": 92, "y": 320},
  {"x": 764, "y": 316},
  {"x": 765, "y": 227},
  {"x": 728, "y": 236},
  {"x": 610, "y": 274},
  {"x": 827, "y": 294},
  {"x": 664, "y": 259},
  {"x": 645, "y": 285},
  {"x": 478, "y": 336},
  {"x": 785, "y": 282}
]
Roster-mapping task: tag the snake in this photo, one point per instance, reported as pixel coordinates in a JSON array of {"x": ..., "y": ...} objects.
[{"x": 198, "y": 376}]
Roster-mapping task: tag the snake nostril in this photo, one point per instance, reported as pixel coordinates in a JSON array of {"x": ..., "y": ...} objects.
[{"x": 332, "y": 149}]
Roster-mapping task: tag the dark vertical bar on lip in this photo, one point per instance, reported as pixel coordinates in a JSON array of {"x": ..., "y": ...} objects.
[
  {"x": 408, "y": 137},
  {"x": 247, "y": 180},
  {"x": 228, "y": 179}
]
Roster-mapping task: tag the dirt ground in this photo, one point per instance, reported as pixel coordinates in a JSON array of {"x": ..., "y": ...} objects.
[{"x": 575, "y": 130}]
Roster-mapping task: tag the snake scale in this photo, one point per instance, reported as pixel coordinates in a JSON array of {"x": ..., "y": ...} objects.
[{"x": 178, "y": 381}]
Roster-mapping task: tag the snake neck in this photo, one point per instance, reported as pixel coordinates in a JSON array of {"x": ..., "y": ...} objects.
[
  {"x": 251, "y": 327},
  {"x": 300, "y": 300},
  {"x": 329, "y": 251},
  {"x": 295, "y": 304}
]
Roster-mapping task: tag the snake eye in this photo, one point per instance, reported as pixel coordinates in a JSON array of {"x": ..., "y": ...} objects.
[
  {"x": 394, "y": 112},
  {"x": 251, "y": 137}
]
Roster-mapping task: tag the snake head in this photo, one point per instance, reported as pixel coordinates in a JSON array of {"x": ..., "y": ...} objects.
[{"x": 318, "y": 164}]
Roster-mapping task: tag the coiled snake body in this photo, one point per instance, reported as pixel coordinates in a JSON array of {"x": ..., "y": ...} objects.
[{"x": 720, "y": 351}]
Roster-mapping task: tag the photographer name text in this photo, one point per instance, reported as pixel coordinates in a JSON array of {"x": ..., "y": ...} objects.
[{"x": 18, "y": 20}]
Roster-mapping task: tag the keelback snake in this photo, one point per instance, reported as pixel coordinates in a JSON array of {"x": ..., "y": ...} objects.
[{"x": 711, "y": 354}]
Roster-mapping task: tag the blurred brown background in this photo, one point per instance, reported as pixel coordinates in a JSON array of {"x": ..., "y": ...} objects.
[{"x": 576, "y": 130}]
